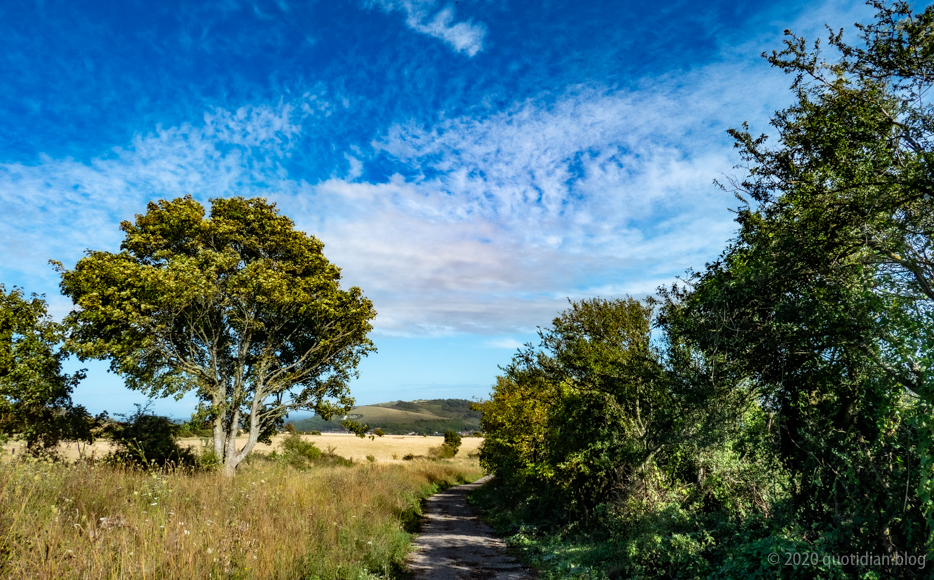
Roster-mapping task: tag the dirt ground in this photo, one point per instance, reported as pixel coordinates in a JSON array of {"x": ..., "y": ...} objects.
[
  {"x": 455, "y": 545},
  {"x": 389, "y": 448}
]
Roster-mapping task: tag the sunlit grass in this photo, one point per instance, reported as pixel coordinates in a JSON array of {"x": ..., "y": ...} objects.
[{"x": 271, "y": 521}]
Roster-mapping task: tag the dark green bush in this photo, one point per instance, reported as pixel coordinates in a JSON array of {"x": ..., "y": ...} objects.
[{"x": 148, "y": 440}]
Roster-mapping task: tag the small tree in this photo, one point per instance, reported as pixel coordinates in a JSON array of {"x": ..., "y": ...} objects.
[
  {"x": 239, "y": 307},
  {"x": 452, "y": 439},
  {"x": 35, "y": 395}
]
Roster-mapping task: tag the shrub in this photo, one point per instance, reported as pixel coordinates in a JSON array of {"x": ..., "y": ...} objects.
[
  {"x": 301, "y": 454},
  {"x": 443, "y": 451},
  {"x": 147, "y": 439},
  {"x": 378, "y": 432}
]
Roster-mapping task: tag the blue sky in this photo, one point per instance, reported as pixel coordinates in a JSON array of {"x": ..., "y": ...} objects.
[{"x": 470, "y": 165}]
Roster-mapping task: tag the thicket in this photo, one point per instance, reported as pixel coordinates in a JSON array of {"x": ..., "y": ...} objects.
[{"x": 784, "y": 403}]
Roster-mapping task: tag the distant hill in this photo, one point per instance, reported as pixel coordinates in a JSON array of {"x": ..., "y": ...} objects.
[{"x": 423, "y": 417}]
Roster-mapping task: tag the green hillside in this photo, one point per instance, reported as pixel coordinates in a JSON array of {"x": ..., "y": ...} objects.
[{"x": 423, "y": 417}]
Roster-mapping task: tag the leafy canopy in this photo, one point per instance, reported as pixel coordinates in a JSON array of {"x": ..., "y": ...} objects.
[
  {"x": 237, "y": 306},
  {"x": 35, "y": 395}
]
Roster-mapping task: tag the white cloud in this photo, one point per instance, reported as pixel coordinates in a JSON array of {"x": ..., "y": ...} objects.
[
  {"x": 465, "y": 36},
  {"x": 56, "y": 208},
  {"x": 597, "y": 192},
  {"x": 500, "y": 218}
]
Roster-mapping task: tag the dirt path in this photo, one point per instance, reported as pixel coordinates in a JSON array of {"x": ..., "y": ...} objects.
[{"x": 455, "y": 545}]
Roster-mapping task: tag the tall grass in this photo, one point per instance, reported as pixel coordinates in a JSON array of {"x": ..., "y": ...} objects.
[{"x": 271, "y": 521}]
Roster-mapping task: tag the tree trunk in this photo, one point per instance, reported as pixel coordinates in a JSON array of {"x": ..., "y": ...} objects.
[
  {"x": 231, "y": 461},
  {"x": 219, "y": 438}
]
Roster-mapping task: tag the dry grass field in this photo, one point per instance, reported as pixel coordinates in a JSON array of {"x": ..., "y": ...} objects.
[
  {"x": 271, "y": 521},
  {"x": 386, "y": 449},
  {"x": 389, "y": 448}
]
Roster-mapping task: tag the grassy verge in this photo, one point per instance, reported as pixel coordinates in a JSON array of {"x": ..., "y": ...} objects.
[{"x": 271, "y": 521}]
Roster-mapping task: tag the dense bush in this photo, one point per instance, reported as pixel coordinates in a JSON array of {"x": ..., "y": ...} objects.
[
  {"x": 147, "y": 439},
  {"x": 785, "y": 402}
]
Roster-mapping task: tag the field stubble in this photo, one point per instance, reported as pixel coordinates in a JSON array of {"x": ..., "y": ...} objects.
[{"x": 271, "y": 521}]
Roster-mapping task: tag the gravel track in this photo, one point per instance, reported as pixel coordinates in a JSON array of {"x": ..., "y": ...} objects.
[{"x": 455, "y": 545}]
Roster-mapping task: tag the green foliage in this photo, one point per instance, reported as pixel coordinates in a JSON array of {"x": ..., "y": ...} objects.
[
  {"x": 597, "y": 407},
  {"x": 238, "y": 307},
  {"x": 298, "y": 452},
  {"x": 147, "y": 440},
  {"x": 35, "y": 395},
  {"x": 786, "y": 403},
  {"x": 452, "y": 439},
  {"x": 378, "y": 432}
]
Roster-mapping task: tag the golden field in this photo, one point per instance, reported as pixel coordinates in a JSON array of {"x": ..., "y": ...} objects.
[
  {"x": 270, "y": 521},
  {"x": 386, "y": 449}
]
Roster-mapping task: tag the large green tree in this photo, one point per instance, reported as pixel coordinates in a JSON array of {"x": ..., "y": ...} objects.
[
  {"x": 824, "y": 297},
  {"x": 237, "y": 306},
  {"x": 35, "y": 393}
]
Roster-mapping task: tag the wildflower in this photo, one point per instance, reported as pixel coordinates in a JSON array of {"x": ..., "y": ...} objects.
[
  {"x": 154, "y": 503},
  {"x": 211, "y": 551}
]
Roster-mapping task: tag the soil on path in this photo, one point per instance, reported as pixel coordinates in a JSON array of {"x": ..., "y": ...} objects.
[{"x": 455, "y": 545}]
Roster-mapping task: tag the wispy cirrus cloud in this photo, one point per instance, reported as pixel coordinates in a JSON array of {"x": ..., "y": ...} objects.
[
  {"x": 464, "y": 36},
  {"x": 56, "y": 208},
  {"x": 491, "y": 220},
  {"x": 488, "y": 226}
]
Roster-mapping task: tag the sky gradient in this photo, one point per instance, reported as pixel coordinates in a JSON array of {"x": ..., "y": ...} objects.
[{"x": 470, "y": 165}]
